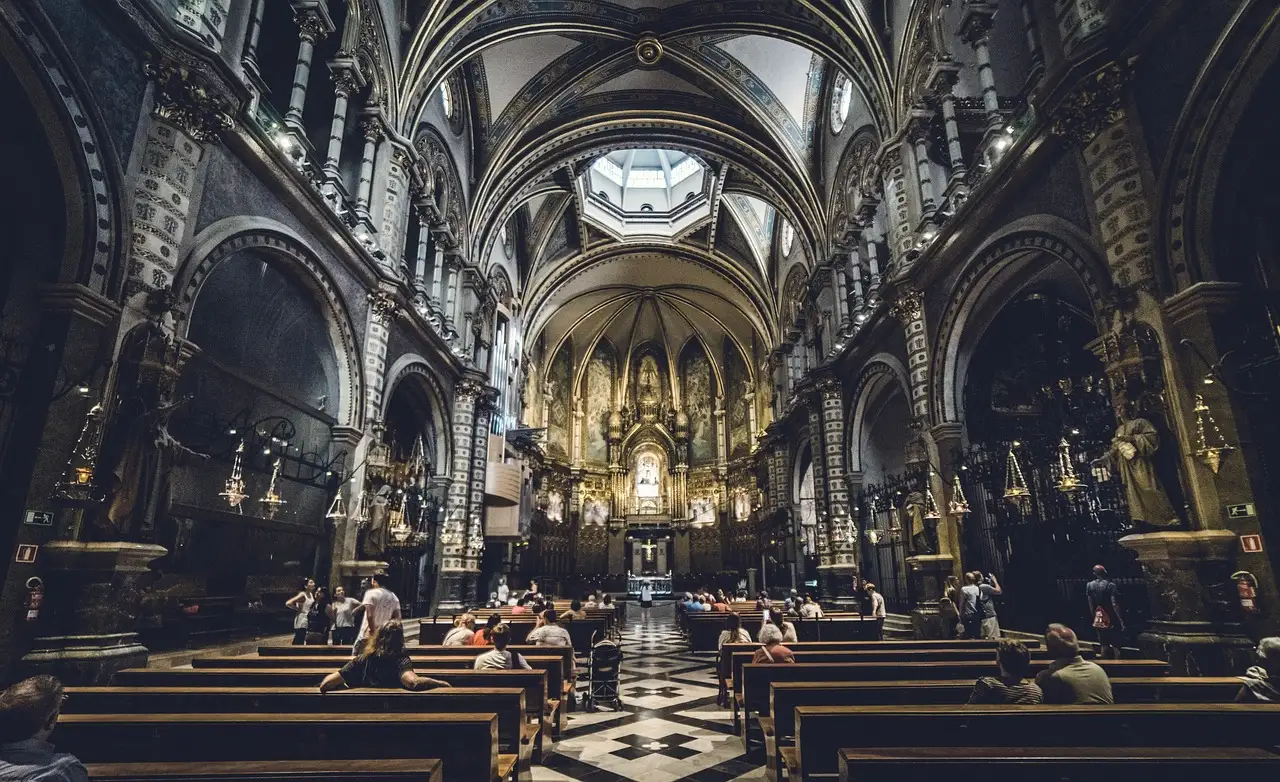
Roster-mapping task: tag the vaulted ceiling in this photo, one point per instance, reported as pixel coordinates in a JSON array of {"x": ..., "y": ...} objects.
[{"x": 739, "y": 85}]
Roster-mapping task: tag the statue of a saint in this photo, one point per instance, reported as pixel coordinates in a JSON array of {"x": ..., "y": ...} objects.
[
  {"x": 924, "y": 532},
  {"x": 375, "y": 542},
  {"x": 1132, "y": 458},
  {"x": 648, "y": 378}
]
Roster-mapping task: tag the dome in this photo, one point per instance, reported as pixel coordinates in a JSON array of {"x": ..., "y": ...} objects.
[{"x": 647, "y": 192}]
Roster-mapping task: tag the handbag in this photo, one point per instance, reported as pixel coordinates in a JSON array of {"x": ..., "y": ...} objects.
[{"x": 1101, "y": 619}]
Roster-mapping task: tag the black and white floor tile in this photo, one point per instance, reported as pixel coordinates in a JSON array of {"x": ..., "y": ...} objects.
[{"x": 669, "y": 728}]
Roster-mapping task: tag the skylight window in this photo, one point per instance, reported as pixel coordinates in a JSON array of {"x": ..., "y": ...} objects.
[
  {"x": 611, "y": 170},
  {"x": 647, "y": 177},
  {"x": 684, "y": 169}
]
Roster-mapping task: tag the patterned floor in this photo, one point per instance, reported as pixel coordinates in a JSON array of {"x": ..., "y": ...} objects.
[{"x": 669, "y": 728}]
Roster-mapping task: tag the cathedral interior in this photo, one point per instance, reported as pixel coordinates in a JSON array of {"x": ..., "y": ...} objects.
[{"x": 672, "y": 295}]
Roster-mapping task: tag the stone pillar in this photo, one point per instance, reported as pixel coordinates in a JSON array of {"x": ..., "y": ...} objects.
[
  {"x": 346, "y": 81},
  {"x": 437, "y": 280},
  {"x": 250, "y": 57},
  {"x": 859, "y": 293},
  {"x": 901, "y": 240},
  {"x": 486, "y": 403},
  {"x": 1195, "y": 615},
  {"x": 313, "y": 25},
  {"x": 456, "y": 294},
  {"x": 420, "y": 260},
  {"x": 945, "y": 441},
  {"x": 372, "y": 129},
  {"x": 918, "y": 133},
  {"x": 1033, "y": 41},
  {"x": 1078, "y": 21},
  {"x": 682, "y": 558},
  {"x": 841, "y": 285},
  {"x": 395, "y": 213},
  {"x": 842, "y": 555},
  {"x": 455, "y": 564},
  {"x": 345, "y": 534},
  {"x": 909, "y": 310},
  {"x": 975, "y": 27},
  {"x": 383, "y": 309},
  {"x": 187, "y": 114},
  {"x": 88, "y": 626},
  {"x": 874, "y": 279},
  {"x": 942, "y": 83}
]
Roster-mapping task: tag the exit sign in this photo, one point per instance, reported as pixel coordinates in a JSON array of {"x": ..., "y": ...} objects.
[{"x": 1251, "y": 544}]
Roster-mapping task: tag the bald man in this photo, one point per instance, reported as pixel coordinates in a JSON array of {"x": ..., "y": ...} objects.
[{"x": 1070, "y": 678}]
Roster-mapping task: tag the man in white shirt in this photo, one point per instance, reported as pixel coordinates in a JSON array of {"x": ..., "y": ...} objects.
[
  {"x": 549, "y": 632},
  {"x": 877, "y": 608},
  {"x": 380, "y": 606},
  {"x": 811, "y": 609}
]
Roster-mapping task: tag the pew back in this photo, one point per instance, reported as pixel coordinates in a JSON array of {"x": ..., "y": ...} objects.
[{"x": 385, "y": 770}]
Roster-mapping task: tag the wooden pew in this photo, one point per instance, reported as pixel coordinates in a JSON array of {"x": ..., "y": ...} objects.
[
  {"x": 534, "y": 683},
  {"x": 516, "y": 734},
  {"x": 338, "y": 653},
  {"x": 704, "y": 628},
  {"x": 778, "y": 725},
  {"x": 822, "y": 731},
  {"x": 466, "y": 744},
  {"x": 1062, "y": 764},
  {"x": 552, "y": 666},
  {"x": 386, "y": 770},
  {"x": 433, "y": 631}
]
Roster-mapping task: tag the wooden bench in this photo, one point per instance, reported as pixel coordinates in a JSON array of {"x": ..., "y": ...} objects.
[
  {"x": 778, "y": 725},
  {"x": 704, "y": 628},
  {"x": 466, "y": 744},
  {"x": 822, "y": 731},
  {"x": 534, "y": 683},
  {"x": 581, "y": 631},
  {"x": 516, "y": 734},
  {"x": 386, "y": 770},
  {"x": 336, "y": 653},
  {"x": 1062, "y": 764}
]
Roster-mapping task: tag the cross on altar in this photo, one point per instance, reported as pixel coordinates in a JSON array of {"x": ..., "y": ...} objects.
[{"x": 648, "y": 547}]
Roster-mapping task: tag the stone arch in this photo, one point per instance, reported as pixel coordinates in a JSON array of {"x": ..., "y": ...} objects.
[
  {"x": 857, "y": 176},
  {"x": 1224, "y": 87},
  {"x": 881, "y": 371},
  {"x": 412, "y": 365},
  {"x": 443, "y": 171},
  {"x": 795, "y": 294},
  {"x": 94, "y": 249},
  {"x": 281, "y": 244},
  {"x": 1002, "y": 266}
]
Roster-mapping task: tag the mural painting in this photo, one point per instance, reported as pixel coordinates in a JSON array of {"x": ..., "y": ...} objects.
[
  {"x": 736, "y": 387},
  {"x": 599, "y": 401},
  {"x": 559, "y": 382},
  {"x": 698, "y": 396}
]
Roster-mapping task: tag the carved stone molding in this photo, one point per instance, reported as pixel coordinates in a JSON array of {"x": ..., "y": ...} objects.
[
  {"x": 184, "y": 98},
  {"x": 383, "y": 307},
  {"x": 908, "y": 306},
  {"x": 1093, "y": 105}
]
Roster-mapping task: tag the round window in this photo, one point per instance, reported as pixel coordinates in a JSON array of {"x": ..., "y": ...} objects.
[
  {"x": 841, "y": 100},
  {"x": 788, "y": 238}
]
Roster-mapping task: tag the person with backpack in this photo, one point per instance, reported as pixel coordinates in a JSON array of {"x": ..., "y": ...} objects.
[{"x": 1104, "y": 607}]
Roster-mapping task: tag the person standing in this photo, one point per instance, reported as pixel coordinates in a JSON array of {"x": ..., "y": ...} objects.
[
  {"x": 878, "y": 612},
  {"x": 29, "y": 712},
  {"x": 301, "y": 605},
  {"x": 1070, "y": 678},
  {"x": 318, "y": 619},
  {"x": 380, "y": 606},
  {"x": 1104, "y": 607},
  {"x": 342, "y": 610}
]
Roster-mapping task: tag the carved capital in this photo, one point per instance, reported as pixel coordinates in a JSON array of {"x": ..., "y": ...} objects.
[
  {"x": 311, "y": 26},
  {"x": 372, "y": 129},
  {"x": 184, "y": 98},
  {"x": 383, "y": 307},
  {"x": 1093, "y": 105},
  {"x": 468, "y": 389},
  {"x": 908, "y": 306},
  {"x": 346, "y": 81}
]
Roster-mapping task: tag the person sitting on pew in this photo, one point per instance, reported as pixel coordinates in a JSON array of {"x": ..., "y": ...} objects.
[
  {"x": 464, "y": 628},
  {"x": 775, "y": 619},
  {"x": 382, "y": 663},
  {"x": 521, "y": 607},
  {"x": 1011, "y": 686},
  {"x": 762, "y": 601},
  {"x": 500, "y": 659},
  {"x": 810, "y": 609},
  {"x": 771, "y": 651},
  {"x": 28, "y": 714},
  {"x": 494, "y": 602},
  {"x": 1070, "y": 678},
  {"x": 547, "y": 632},
  {"x": 734, "y": 633},
  {"x": 575, "y": 611},
  {"x": 1262, "y": 681},
  {"x": 484, "y": 636}
]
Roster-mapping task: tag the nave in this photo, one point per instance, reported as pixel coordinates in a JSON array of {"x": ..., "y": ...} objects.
[{"x": 669, "y": 729}]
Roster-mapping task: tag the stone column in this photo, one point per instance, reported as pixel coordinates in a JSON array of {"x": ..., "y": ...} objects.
[
  {"x": 942, "y": 84},
  {"x": 486, "y": 404},
  {"x": 312, "y": 26},
  {"x": 895, "y": 190},
  {"x": 918, "y": 134},
  {"x": 383, "y": 309},
  {"x": 841, "y": 285},
  {"x": 420, "y": 261},
  {"x": 1033, "y": 41},
  {"x": 437, "y": 279},
  {"x": 909, "y": 310},
  {"x": 346, "y": 81},
  {"x": 874, "y": 279},
  {"x": 859, "y": 294},
  {"x": 842, "y": 550},
  {"x": 455, "y": 564},
  {"x": 975, "y": 27},
  {"x": 345, "y": 534},
  {"x": 250, "y": 57},
  {"x": 371, "y": 126}
]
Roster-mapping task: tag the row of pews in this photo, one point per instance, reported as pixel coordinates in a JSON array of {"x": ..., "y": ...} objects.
[
  {"x": 261, "y": 718},
  {"x": 703, "y": 628},
  {"x": 894, "y": 711}
]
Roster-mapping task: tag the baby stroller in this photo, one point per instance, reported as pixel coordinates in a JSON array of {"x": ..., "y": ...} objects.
[{"x": 602, "y": 674}]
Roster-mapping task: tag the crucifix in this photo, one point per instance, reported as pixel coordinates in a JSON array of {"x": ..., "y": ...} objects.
[{"x": 648, "y": 547}]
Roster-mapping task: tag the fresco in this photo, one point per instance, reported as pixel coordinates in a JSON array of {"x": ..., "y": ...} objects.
[
  {"x": 559, "y": 380},
  {"x": 598, "y": 391},
  {"x": 736, "y": 388},
  {"x": 699, "y": 403}
]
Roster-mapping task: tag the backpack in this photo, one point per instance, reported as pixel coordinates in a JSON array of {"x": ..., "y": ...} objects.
[{"x": 1101, "y": 619}]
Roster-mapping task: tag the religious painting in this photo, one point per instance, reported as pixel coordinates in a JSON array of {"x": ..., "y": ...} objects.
[
  {"x": 741, "y": 505},
  {"x": 737, "y": 385},
  {"x": 559, "y": 382},
  {"x": 595, "y": 511},
  {"x": 555, "y": 507},
  {"x": 702, "y": 511},
  {"x": 647, "y": 383},
  {"x": 647, "y": 482},
  {"x": 695, "y": 370},
  {"x": 599, "y": 401}
]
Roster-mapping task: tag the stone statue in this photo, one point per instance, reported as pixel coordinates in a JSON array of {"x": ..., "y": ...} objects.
[
  {"x": 1132, "y": 458},
  {"x": 375, "y": 543},
  {"x": 648, "y": 378},
  {"x": 924, "y": 532}
]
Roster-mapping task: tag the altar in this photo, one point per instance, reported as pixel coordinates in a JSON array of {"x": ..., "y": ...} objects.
[{"x": 658, "y": 585}]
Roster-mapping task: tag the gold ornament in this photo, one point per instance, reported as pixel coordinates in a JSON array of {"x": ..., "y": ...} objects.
[
  {"x": 930, "y": 505},
  {"x": 895, "y": 524},
  {"x": 1068, "y": 481},
  {"x": 272, "y": 501},
  {"x": 337, "y": 508},
  {"x": 1015, "y": 485},
  {"x": 1209, "y": 453},
  {"x": 958, "y": 505},
  {"x": 233, "y": 492},
  {"x": 77, "y": 486}
]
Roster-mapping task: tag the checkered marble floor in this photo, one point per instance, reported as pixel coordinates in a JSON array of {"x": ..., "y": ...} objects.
[{"x": 669, "y": 728}]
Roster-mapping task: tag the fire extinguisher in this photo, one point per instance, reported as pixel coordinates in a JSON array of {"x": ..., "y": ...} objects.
[
  {"x": 35, "y": 598},
  {"x": 1247, "y": 589}
]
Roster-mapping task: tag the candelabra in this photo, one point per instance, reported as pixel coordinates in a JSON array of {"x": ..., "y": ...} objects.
[
  {"x": 1210, "y": 454},
  {"x": 272, "y": 502},
  {"x": 1015, "y": 484},
  {"x": 233, "y": 491},
  {"x": 1068, "y": 481},
  {"x": 959, "y": 505}
]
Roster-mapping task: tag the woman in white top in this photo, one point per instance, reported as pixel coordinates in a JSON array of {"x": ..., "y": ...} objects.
[
  {"x": 464, "y": 628},
  {"x": 732, "y": 634},
  {"x": 343, "y": 613},
  {"x": 301, "y": 604},
  {"x": 810, "y": 609}
]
